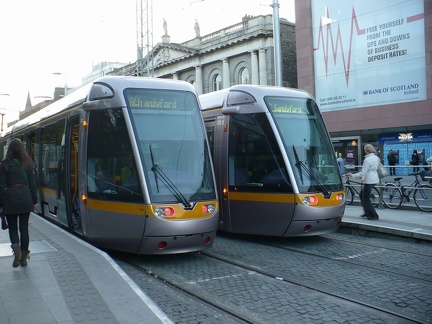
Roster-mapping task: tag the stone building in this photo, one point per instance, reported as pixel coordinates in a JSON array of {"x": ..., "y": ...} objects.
[{"x": 239, "y": 54}]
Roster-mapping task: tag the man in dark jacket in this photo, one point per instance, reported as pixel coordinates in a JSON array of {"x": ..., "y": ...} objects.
[{"x": 391, "y": 158}]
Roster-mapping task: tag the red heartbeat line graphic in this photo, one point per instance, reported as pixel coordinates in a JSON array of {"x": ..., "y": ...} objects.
[{"x": 338, "y": 41}]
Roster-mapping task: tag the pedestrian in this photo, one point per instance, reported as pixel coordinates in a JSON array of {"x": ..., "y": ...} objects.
[
  {"x": 369, "y": 176},
  {"x": 378, "y": 153},
  {"x": 391, "y": 158},
  {"x": 341, "y": 164},
  {"x": 18, "y": 198},
  {"x": 415, "y": 161}
]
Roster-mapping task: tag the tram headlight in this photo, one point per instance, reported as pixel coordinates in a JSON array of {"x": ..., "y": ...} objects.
[
  {"x": 164, "y": 211},
  {"x": 339, "y": 197},
  {"x": 310, "y": 200},
  {"x": 208, "y": 209}
]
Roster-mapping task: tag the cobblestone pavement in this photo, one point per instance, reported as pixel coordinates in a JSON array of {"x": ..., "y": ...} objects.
[{"x": 352, "y": 279}]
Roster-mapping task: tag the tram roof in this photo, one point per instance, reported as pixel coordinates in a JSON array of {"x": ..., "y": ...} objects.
[
  {"x": 217, "y": 99},
  {"x": 119, "y": 83}
]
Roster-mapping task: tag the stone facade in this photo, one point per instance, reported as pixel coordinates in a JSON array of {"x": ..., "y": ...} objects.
[{"x": 241, "y": 53}]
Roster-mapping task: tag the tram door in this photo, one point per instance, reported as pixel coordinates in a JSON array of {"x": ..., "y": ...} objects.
[
  {"x": 72, "y": 178},
  {"x": 258, "y": 189},
  {"x": 58, "y": 172},
  {"x": 34, "y": 152},
  {"x": 51, "y": 171}
]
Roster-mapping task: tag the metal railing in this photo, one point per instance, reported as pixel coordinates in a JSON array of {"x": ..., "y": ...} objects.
[{"x": 406, "y": 181}]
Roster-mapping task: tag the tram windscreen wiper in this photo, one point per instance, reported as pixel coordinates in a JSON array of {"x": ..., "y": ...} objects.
[
  {"x": 170, "y": 185},
  {"x": 153, "y": 164},
  {"x": 304, "y": 169}
]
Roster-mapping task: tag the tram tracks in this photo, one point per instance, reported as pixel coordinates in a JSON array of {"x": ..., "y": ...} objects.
[
  {"x": 318, "y": 288},
  {"x": 379, "y": 249},
  {"x": 238, "y": 318},
  {"x": 366, "y": 242},
  {"x": 235, "y": 271}
]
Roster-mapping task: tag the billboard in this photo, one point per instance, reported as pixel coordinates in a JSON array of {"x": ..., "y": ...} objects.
[{"x": 368, "y": 53}]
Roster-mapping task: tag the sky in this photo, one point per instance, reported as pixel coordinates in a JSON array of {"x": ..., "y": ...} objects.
[{"x": 47, "y": 43}]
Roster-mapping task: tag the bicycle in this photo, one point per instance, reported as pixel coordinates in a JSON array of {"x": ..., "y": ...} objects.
[
  {"x": 351, "y": 191},
  {"x": 395, "y": 193}
]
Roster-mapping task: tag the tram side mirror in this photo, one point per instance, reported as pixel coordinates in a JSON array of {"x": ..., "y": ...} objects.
[
  {"x": 235, "y": 100},
  {"x": 231, "y": 110},
  {"x": 100, "y": 91},
  {"x": 239, "y": 98}
]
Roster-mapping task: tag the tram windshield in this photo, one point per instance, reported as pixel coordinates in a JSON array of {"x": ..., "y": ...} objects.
[
  {"x": 306, "y": 142},
  {"x": 173, "y": 145}
]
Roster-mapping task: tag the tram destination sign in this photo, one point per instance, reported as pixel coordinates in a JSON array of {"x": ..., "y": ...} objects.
[
  {"x": 286, "y": 106},
  {"x": 159, "y": 99}
]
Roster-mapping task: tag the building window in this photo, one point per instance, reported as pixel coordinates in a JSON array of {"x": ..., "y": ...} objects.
[
  {"x": 191, "y": 79},
  {"x": 244, "y": 76},
  {"x": 217, "y": 82}
]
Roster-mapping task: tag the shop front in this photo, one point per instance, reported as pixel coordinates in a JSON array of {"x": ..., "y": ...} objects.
[
  {"x": 350, "y": 150},
  {"x": 403, "y": 146}
]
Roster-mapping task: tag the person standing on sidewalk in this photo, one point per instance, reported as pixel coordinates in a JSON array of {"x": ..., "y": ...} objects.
[
  {"x": 391, "y": 158},
  {"x": 18, "y": 197},
  {"x": 415, "y": 160},
  {"x": 369, "y": 176},
  {"x": 341, "y": 164}
]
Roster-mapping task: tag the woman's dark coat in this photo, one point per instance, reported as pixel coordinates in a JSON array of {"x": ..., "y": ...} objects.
[{"x": 16, "y": 194}]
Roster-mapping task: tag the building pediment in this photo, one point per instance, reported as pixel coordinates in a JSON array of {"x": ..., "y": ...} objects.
[{"x": 165, "y": 53}]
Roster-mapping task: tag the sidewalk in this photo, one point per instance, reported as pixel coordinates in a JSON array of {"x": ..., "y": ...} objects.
[
  {"x": 68, "y": 281},
  {"x": 401, "y": 222}
]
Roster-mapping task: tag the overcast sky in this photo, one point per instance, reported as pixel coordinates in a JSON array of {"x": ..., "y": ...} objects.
[{"x": 42, "y": 37}]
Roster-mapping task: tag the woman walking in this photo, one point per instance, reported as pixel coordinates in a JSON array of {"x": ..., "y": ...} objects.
[
  {"x": 370, "y": 178},
  {"x": 18, "y": 198}
]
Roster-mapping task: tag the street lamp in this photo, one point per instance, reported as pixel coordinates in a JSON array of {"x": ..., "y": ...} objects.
[
  {"x": 277, "y": 44},
  {"x": 3, "y": 113},
  {"x": 2, "y": 118}
]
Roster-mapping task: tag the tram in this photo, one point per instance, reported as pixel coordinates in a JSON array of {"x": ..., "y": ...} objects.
[
  {"x": 125, "y": 163},
  {"x": 274, "y": 162}
]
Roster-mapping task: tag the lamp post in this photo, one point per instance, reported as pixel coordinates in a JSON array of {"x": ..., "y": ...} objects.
[
  {"x": 277, "y": 44},
  {"x": 2, "y": 117},
  {"x": 3, "y": 113}
]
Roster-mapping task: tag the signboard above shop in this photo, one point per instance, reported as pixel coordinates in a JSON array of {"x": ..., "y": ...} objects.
[{"x": 398, "y": 138}]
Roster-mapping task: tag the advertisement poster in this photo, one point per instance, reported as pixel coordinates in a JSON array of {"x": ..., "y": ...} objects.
[{"x": 368, "y": 53}]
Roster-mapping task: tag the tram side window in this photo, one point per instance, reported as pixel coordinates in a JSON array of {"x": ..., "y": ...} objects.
[
  {"x": 111, "y": 169},
  {"x": 34, "y": 138},
  {"x": 255, "y": 160},
  {"x": 210, "y": 130},
  {"x": 52, "y": 138}
]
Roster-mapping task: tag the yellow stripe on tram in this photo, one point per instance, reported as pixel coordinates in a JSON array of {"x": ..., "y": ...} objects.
[
  {"x": 261, "y": 197},
  {"x": 116, "y": 207}
]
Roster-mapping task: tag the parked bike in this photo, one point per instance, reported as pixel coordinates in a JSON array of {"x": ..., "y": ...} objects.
[{"x": 395, "y": 193}]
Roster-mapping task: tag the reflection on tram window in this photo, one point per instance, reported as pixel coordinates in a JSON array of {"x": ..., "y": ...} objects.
[
  {"x": 255, "y": 160},
  {"x": 109, "y": 151}
]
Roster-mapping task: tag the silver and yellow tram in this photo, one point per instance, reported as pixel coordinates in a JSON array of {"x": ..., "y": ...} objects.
[
  {"x": 125, "y": 163},
  {"x": 274, "y": 162}
]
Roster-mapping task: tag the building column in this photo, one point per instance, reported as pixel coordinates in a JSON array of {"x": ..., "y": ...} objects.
[
  {"x": 254, "y": 67},
  {"x": 198, "y": 80},
  {"x": 262, "y": 67},
  {"x": 226, "y": 82},
  {"x": 175, "y": 76}
]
